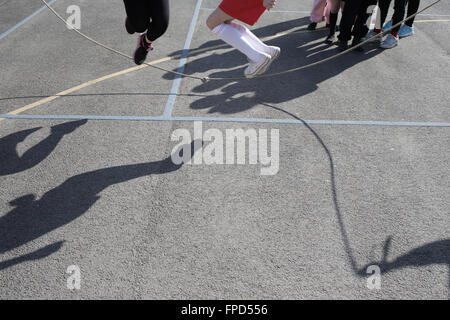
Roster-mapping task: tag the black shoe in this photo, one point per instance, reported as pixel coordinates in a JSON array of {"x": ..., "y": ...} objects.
[
  {"x": 129, "y": 27},
  {"x": 331, "y": 39},
  {"x": 343, "y": 45},
  {"x": 355, "y": 42},
  {"x": 142, "y": 50},
  {"x": 312, "y": 26}
]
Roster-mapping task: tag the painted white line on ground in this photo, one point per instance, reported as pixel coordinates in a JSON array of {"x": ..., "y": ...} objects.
[
  {"x": 21, "y": 23},
  {"x": 177, "y": 81},
  {"x": 232, "y": 120}
]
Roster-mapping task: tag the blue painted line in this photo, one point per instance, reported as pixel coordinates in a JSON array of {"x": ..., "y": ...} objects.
[
  {"x": 21, "y": 23},
  {"x": 177, "y": 81},
  {"x": 231, "y": 120}
]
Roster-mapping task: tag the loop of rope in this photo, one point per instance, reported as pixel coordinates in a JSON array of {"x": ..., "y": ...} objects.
[{"x": 270, "y": 75}]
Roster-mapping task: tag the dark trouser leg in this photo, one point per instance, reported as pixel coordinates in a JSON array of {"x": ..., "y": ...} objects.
[
  {"x": 360, "y": 29},
  {"x": 137, "y": 13},
  {"x": 333, "y": 22},
  {"x": 399, "y": 13},
  {"x": 384, "y": 9},
  {"x": 348, "y": 19},
  {"x": 413, "y": 7},
  {"x": 159, "y": 13}
]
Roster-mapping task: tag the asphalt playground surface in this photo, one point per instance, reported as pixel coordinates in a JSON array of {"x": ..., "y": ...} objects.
[{"x": 363, "y": 178}]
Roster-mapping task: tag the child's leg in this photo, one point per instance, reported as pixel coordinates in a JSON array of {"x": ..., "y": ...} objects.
[
  {"x": 384, "y": 9},
  {"x": 220, "y": 24},
  {"x": 413, "y": 7},
  {"x": 327, "y": 12},
  {"x": 159, "y": 13},
  {"x": 137, "y": 14},
  {"x": 317, "y": 10},
  {"x": 335, "y": 6},
  {"x": 399, "y": 15},
  {"x": 254, "y": 40}
]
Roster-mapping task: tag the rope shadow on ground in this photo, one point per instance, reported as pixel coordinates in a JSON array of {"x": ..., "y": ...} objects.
[{"x": 433, "y": 253}]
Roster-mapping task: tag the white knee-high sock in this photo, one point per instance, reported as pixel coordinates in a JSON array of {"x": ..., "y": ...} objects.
[
  {"x": 235, "y": 38},
  {"x": 250, "y": 36}
]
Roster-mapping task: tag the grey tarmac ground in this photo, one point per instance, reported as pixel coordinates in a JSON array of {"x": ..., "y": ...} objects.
[{"x": 104, "y": 195}]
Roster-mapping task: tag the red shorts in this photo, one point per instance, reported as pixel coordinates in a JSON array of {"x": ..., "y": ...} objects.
[{"x": 247, "y": 11}]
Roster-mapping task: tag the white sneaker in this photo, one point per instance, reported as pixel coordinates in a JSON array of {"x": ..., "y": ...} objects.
[
  {"x": 390, "y": 42},
  {"x": 256, "y": 68},
  {"x": 274, "y": 52}
]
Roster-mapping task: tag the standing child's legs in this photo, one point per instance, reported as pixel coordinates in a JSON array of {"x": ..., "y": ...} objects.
[
  {"x": 317, "y": 13},
  {"x": 347, "y": 21},
  {"x": 391, "y": 40},
  {"x": 335, "y": 6},
  {"x": 413, "y": 7},
  {"x": 384, "y": 9},
  {"x": 408, "y": 29}
]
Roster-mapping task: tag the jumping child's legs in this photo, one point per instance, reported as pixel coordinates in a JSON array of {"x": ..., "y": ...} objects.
[
  {"x": 151, "y": 18},
  {"x": 241, "y": 38}
]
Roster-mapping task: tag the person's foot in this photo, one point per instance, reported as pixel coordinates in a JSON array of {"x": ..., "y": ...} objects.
[
  {"x": 312, "y": 26},
  {"x": 331, "y": 39},
  {"x": 129, "y": 26},
  {"x": 142, "y": 50},
  {"x": 387, "y": 25},
  {"x": 373, "y": 36},
  {"x": 343, "y": 45},
  {"x": 256, "y": 68},
  {"x": 274, "y": 52},
  {"x": 405, "y": 31},
  {"x": 355, "y": 42},
  {"x": 390, "y": 42}
]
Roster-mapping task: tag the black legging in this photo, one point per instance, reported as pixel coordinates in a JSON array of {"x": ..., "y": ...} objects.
[
  {"x": 148, "y": 15},
  {"x": 413, "y": 7},
  {"x": 399, "y": 12}
]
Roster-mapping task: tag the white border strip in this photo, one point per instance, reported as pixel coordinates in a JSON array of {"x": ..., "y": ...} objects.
[{"x": 235, "y": 120}]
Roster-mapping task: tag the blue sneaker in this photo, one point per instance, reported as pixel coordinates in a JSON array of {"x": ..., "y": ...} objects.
[
  {"x": 405, "y": 31},
  {"x": 387, "y": 25},
  {"x": 390, "y": 42},
  {"x": 373, "y": 36}
]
